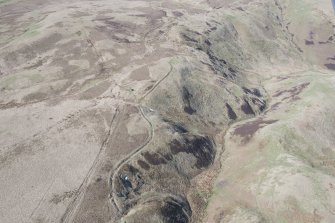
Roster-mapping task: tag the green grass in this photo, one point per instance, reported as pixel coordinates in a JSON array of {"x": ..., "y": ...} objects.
[
  {"x": 35, "y": 77},
  {"x": 8, "y": 82},
  {"x": 32, "y": 31},
  {"x": 4, "y": 1}
]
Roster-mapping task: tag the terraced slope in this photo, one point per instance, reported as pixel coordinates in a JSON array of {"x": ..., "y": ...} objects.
[{"x": 167, "y": 111}]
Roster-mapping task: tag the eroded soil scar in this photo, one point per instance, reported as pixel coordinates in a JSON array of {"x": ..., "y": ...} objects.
[
  {"x": 247, "y": 130},
  {"x": 293, "y": 92},
  {"x": 173, "y": 212},
  {"x": 231, "y": 114},
  {"x": 200, "y": 147},
  {"x": 246, "y": 108},
  {"x": 187, "y": 96}
]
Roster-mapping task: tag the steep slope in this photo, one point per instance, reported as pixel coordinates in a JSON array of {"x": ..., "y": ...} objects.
[{"x": 278, "y": 167}]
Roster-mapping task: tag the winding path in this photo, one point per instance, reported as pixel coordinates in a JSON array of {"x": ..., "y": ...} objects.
[
  {"x": 157, "y": 83},
  {"x": 131, "y": 155}
]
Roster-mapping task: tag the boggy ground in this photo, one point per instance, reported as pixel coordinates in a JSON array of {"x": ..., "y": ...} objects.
[{"x": 119, "y": 111}]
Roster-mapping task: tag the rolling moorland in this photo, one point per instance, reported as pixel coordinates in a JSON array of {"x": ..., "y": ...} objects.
[{"x": 167, "y": 111}]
